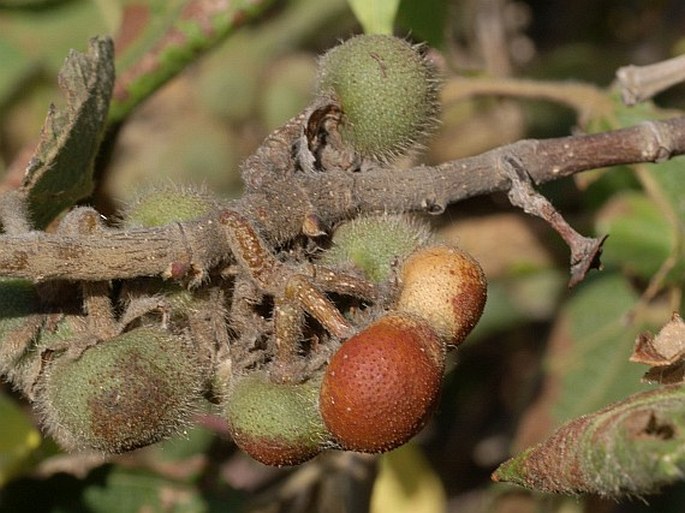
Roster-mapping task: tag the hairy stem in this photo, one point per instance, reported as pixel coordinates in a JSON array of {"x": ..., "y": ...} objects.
[{"x": 280, "y": 209}]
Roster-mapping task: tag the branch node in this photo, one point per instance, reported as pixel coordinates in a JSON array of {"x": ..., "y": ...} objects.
[
  {"x": 433, "y": 207},
  {"x": 662, "y": 141}
]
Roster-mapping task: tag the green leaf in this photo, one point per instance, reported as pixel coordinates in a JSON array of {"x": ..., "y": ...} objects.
[
  {"x": 18, "y": 439},
  {"x": 61, "y": 169},
  {"x": 593, "y": 344},
  {"x": 129, "y": 490},
  {"x": 425, "y": 20},
  {"x": 375, "y": 16},
  {"x": 406, "y": 483},
  {"x": 641, "y": 238},
  {"x": 588, "y": 363},
  {"x": 631, "y": 447},
  {"x": 669, "y": 177},
  {"x": 662, "y": 182}
]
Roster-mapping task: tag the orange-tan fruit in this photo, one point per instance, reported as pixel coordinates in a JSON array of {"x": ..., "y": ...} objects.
[
  {"x": 381, "y": 386},
  {"x": 445, "y": 286}
]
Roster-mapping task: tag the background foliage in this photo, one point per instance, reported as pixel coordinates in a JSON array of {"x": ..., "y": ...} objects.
[{"x": 541, "y": 355}]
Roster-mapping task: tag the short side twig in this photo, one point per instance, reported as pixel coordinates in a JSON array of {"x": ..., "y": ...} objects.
[
  {"x": 585, "y": 251},
  {"x": 640, "y": 83}
]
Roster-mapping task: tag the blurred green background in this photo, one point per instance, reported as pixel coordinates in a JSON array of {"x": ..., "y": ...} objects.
[{"x": 541, "y": 355}]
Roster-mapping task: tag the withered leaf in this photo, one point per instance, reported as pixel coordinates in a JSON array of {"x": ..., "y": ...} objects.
[
  {"x": 673, "y": 374},
  {"x": 61, "y": 169},
  {"x": 664, "y": 352}
]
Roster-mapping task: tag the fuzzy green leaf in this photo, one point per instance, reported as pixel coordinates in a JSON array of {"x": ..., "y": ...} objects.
[
  {"x": 641, "y": 238},
  {"x": 631, "y": 447},
  {"x": 592, "y": 359},
  {"x": 375, "y": 16},
  {"x": 61, "y": 169}
]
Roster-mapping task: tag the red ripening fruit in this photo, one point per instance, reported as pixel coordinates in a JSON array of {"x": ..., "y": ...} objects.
[
  {"x": 445, "y": 286},
  {"x": 382, "y": 384}
]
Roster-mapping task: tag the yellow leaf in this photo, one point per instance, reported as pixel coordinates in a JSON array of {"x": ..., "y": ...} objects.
[
  {"x": 406, "y": 483},
  {"x": 375, "y": 16},
  {"x": 18, "y": 438}
]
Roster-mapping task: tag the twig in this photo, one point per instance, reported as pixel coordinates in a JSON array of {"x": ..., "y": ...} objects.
[
  {"x": 150, "y": 54},
  {"x": 639, "y": 83},
  {"x": 585, "y": 251},
  {"x": 586, "y": 99}
]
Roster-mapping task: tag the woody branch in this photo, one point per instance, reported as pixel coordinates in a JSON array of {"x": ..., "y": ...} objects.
[{"x": 280, "y": 208}]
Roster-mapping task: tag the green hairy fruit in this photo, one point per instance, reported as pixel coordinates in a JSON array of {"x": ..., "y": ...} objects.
[
  {"x": 374, "y": 244},
  {"x": 387, "y": 91},
  {"x": 167, "y": 203},
  {"x": 121, "y": 394},
  {"x": 276, "y": 423}
]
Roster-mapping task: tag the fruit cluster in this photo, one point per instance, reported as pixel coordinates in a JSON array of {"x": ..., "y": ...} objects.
[
  {"x": 381, "y": 385},
  {"x": 127, "y": 365},
  {"x": 102, "y": 383}
]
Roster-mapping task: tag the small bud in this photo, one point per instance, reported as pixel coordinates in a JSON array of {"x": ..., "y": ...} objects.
[
  {"x": 373, "y": 244},
  {"x": 167, "y": 203}
]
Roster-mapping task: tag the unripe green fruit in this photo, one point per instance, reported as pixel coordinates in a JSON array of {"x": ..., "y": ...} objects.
[
  {"x": 382, "y": 384},
  {"x": 445, "y": 286},
  {"x": 277, "y": 424},
  {"x": 373, "y": 244},
  {"x": 121, "y": 394},
  {"x": 167, "y": 203},
  {"x": 387, "y": 92}
]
